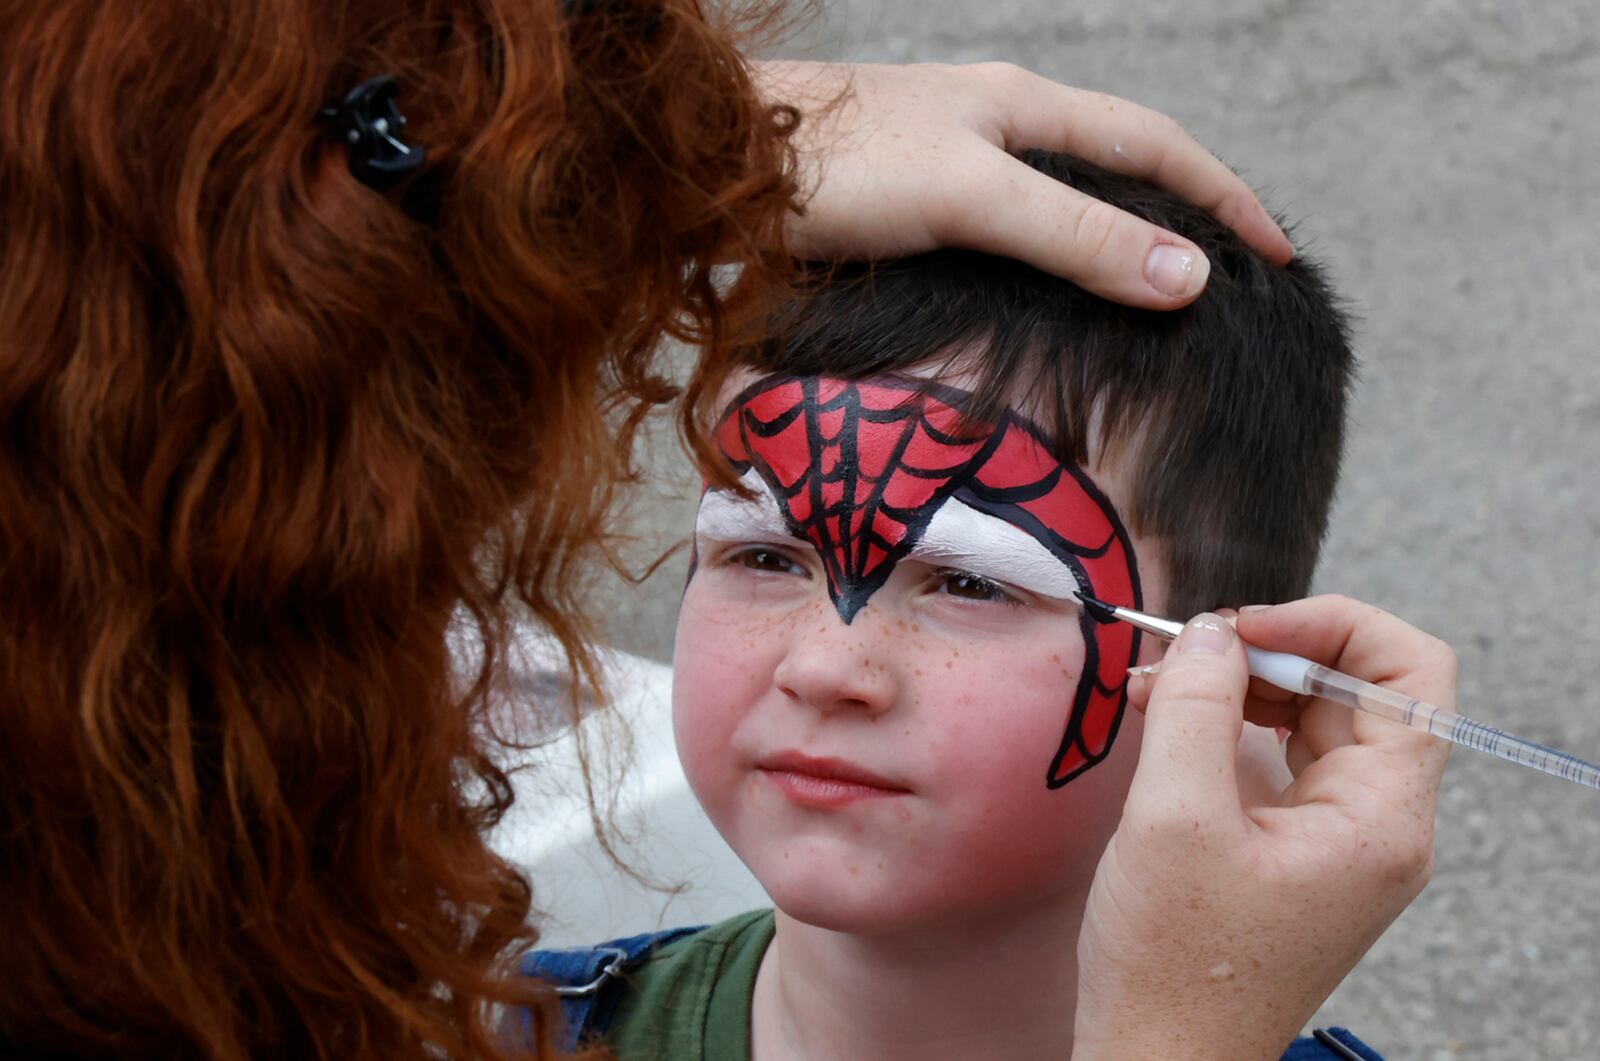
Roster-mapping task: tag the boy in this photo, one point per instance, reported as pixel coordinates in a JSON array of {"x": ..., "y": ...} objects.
[{"x": 884, "y": 695}]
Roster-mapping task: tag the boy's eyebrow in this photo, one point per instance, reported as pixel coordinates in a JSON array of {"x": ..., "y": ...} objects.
[
  {"x": 725, "y": 516},
  {"x": 957, "y": 535},
  {"x": 988, "y": 546}
]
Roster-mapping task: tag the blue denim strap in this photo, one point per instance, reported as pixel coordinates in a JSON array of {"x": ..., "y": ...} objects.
[
  {"x": 1330, "y": 1044},
  {"x": 586, "y": 979}
]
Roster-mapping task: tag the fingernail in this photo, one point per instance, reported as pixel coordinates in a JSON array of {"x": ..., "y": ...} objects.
[
  {"x": 1149, "y": 668},
  {"x": 1206, "y": 633},
  {"x": 1254, "y": 608},
  {"x": 1179, "y": 272}
]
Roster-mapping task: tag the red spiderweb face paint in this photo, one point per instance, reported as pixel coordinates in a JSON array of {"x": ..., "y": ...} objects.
[{"x": 859, "y": 469}]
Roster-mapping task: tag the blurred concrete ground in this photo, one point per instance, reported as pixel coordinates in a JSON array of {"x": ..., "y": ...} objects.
[{"x": 1442, "y": 156}]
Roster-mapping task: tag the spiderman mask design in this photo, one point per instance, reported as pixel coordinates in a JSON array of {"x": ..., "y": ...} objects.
[{"x": 872, "y": 474}]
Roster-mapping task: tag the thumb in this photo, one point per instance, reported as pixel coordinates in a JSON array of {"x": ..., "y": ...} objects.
[
  {"x": 1104, "y": 250},
  {"x": 1188, "y": 760}
]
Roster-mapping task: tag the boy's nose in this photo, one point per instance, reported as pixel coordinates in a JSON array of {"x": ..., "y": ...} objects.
[{"x": 833, "y": 667}]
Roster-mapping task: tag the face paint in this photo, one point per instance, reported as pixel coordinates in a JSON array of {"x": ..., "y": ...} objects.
[
  {"x": 957, "y": 536},
  {"x": 868, "y": 473},
  {"x": 962, "y": 537}
]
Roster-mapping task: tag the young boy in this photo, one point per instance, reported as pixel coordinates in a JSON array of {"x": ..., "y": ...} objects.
[{"x": 885, "y": 697}]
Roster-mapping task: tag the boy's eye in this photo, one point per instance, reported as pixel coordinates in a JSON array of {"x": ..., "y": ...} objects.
[
  {"x": 968, "y": 586},
  {"x": 766, "y": 558}
]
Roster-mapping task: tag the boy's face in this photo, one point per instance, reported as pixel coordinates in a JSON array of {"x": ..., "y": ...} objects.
[{"x": 883, "y": 696}]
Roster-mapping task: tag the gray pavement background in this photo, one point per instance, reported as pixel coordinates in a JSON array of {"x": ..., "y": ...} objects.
[{"x": 1442, "y": 157}]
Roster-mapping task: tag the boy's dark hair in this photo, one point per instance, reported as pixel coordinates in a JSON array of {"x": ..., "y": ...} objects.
[{"x": 1229, "y": 413}]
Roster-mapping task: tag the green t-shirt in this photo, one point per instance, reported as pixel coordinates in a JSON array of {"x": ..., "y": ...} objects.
[{"x": 690, "y": 1000}]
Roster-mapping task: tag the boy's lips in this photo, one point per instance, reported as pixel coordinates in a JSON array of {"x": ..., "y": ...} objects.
[{"x": 825, "y": 782}]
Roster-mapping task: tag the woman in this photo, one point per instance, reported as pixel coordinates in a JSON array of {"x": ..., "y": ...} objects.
[{"x": 270, "y": 431}]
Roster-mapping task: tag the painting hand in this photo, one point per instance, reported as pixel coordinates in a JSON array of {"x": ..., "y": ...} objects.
[
  {"x": 1221, "y": 916},
  {"x": 902, "y": 159}
]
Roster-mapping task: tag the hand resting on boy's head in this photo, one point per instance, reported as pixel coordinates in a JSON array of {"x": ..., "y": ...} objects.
[
  {"x": 1218, "y": 920},
  {"x": 902, "y": 159}
]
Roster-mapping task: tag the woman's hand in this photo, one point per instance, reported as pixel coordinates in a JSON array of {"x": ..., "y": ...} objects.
[
  {"x": 1223, "y": 912},
  {"x": 903, "y": 159}
]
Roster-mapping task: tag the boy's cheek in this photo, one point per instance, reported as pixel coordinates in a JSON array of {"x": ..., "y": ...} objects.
[
  {"x": 714, "y": 685},
  {"x": 1050, "y": 837},
  {"x": 704, "y": 603},
  {"x": 729, "y": 599},
  {"x": 710, "y": 694},
  {"x": 704, "y": 727},
  {"x": 718, "y": 635},
  {"x": 994, "y": 751}
]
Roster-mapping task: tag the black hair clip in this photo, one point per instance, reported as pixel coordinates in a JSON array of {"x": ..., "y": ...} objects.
[{"x": 370, "y": 123}]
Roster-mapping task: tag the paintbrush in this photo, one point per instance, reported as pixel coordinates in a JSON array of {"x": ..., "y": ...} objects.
[{"x": 1300, "y": 675}]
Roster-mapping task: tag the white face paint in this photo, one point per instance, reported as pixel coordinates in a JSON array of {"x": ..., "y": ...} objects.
[
  {"x": 975, "y": 542},
  {"x": 958, "y": 536},
  {"x": 726, "y": 517}
]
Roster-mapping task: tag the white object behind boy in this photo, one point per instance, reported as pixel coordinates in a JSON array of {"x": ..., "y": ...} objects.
[{"x": 660, "y": 831}]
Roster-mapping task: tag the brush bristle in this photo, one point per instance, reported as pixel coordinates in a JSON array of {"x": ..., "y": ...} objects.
[{"x": 1098, "y": 609}]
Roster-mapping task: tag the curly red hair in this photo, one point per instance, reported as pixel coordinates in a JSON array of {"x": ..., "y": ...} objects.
[{"x": 265, "y": 434}]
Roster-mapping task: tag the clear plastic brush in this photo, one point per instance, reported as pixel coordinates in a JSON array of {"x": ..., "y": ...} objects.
[
  {"x": 1458, "y": 729},
  {"x": 1300, "y": 675}
]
